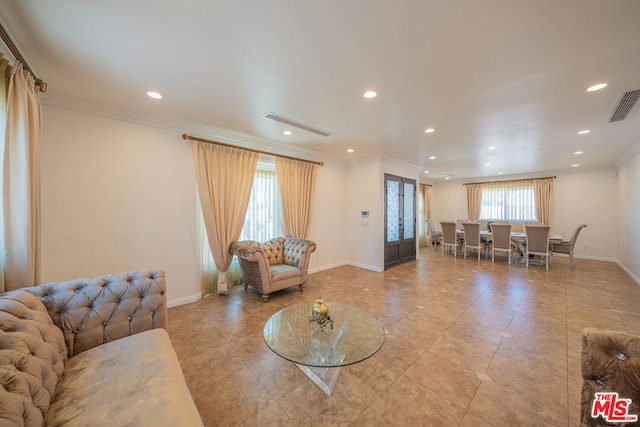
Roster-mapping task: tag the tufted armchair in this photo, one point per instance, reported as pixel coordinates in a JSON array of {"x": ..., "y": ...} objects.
[
  {"x": 610, "y": 363},
  {"x": 274, "y": 265}
]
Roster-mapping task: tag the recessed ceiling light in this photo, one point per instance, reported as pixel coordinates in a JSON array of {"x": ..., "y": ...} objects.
[
  {"x": 582, "y": 132},
  {"x": 487, "y": 164},
  {"x": 432, "y": 158},
  {"x": 597, "y": 87},
  {"x": 370, "y": 94},
  {"x": 448, "y": 177},
  {"x": 287, "y": 132},
  {"x": 500, "y": 173},
  {"x": 578, "y": 152},
  {"x": 154, "y": 95},
  {"x": 426, "y": 171},
  {"x": 491, "y": 147},
  {"x": 350, "y": 150},
  {"x": 575, "y": 166},
  {"x": 430, "y": 130}
]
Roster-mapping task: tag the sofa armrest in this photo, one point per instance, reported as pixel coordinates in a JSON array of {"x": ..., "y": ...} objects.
[
  {"x": 91, "y": 312},
  {"x": 297, "y": 252},
  {"x": 249, "y": 251}
]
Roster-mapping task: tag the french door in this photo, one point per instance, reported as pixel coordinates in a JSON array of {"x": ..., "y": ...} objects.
[{"x": 399, "y": 220}]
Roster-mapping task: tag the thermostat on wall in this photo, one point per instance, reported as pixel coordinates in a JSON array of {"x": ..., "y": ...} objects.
[{"x": 365, "y": 214}]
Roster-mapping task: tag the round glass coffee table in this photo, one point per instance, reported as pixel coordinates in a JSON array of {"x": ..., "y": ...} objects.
[{"x": 320, "y": 352}]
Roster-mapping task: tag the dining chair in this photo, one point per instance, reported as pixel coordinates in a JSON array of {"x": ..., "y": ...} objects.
[
  {"x": 449, "y": 236},
  {"x": 566, "y": 247},
  {"x": 501, "y": 239},
  {"x": 537, "y": 242},
  {"x": 472, "y": 237},
  {"x": 434, "y": 235}
]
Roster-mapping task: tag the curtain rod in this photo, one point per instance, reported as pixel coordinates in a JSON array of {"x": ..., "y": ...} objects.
[
  {"x": 42, "y": 86},
  {"x": 508, "y": 180},
  {"x": 208, "y": 141}
]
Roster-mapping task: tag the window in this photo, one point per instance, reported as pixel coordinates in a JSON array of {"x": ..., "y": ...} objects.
[
  {"x": 508, "y": 201},
  {"x": 263, "y": 220}
]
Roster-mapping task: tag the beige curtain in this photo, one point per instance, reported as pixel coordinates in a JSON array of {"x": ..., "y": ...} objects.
[
  {"x": 297, "y": 181},
  {"x": 474, "y": 198},
  {"x": 21, "y": 182},
  {"x": 224, "y": 176},
  {"x": 427, "y": 198},
  {"x": 543, "y": 189}
]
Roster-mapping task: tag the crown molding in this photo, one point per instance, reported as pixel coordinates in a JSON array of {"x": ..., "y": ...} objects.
[{"x": 200, "y": 130}]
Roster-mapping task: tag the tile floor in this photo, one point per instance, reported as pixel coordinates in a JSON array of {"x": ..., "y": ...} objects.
[{"x": 469, "y": 343}]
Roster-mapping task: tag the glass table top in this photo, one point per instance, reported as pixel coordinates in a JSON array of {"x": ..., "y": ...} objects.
[{"x": 355, "y": 336}]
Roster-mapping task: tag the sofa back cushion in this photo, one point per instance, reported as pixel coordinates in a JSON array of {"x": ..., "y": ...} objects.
[
  {"x": 32, "y": 359},
  {"x": 91, "y": 312},
  {"x": 274, "y": 250}
]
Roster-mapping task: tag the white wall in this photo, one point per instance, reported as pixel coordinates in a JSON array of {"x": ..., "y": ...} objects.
[
  {"x": 365, "y": 235},
  {"x": 329, "y": 220},
  {"x": 116, "y": 196},
  {"x": 580, "y": 196},
  {"x": 120, "y": 196},
  {"x": 629, "y": 213},
  {"x": 366, "y": 193}
]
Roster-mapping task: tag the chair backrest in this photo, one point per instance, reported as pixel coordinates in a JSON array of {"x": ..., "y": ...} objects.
[
  {"x": 471, "y": 233},
  {"x": 576, "y": 233},
  {"x": 432, "y": 228},
  {"x": 484, "y": 224},
  {"x": 537, "y": 238},
  {"x": 459, "y": 223},
  {"x": 448, "y": 232},
  {"x": 501, "y": 235}
]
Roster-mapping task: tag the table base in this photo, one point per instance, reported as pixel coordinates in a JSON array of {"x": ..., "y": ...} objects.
[{"x": 324, "y": 378}]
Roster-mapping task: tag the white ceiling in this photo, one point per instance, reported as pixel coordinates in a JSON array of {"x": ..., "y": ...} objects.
[{"x": 507, "y": 73}]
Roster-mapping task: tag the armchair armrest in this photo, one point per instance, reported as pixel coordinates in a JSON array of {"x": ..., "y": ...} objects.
[
  {"x": 91, "y": 312},
  {"x": 297, "y": 252}
]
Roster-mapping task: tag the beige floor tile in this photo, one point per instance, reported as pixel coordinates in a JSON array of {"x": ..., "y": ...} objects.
[
  {"x": 408, "y": 403},
  {"x": 497, "y": 405},
  {"x": 450, "y": 381},
  {"x": 447, "y": 321}
]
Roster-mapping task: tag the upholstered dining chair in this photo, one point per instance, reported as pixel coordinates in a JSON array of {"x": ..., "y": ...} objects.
[
  {"x": 449, "y": 236},
  {"x": 434, "y": 235},
  {"x": 537, "y": 242},
  {"x": 566, "y": 246},
  {"x": 501, "y": 239},
  {"x": 472, "y": 237},
  {"x": 610, "y": 364}
]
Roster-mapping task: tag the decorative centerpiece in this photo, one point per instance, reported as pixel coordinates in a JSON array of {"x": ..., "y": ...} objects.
[{"x": 320, "y": 314}]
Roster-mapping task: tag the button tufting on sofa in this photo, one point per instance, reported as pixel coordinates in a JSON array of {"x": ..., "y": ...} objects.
[{"x": 68, "y": 358}]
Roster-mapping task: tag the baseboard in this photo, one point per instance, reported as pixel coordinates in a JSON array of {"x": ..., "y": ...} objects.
[
  {"x": 327, "y": 267},
  {"x": 184, "y": 300},
  {"x": 365, "y": 267},
  {"x": 593, "y": 258},
  {"x": 630, "y": 273}
]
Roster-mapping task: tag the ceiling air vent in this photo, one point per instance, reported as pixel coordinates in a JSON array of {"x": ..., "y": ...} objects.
[
  {"x": 290, "y": 122},
  {"x": 624, "y": 104}
]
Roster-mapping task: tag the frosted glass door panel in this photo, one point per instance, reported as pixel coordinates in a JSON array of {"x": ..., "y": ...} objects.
[
  {"x": 393, "y": 213},
  {"x": 409, "y": 210}
]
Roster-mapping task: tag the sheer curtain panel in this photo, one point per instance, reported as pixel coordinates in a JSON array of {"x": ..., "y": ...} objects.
[
  {"x": 297, "y": 181},
  {"x": 543, "y": 189},
  {"x": 21, "y": 182},
  {"x": 224, "y": 176},
  {"x": 474, "y": 198}
]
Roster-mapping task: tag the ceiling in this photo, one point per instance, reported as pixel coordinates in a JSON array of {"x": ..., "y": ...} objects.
[{"x": 506, "y": 73}]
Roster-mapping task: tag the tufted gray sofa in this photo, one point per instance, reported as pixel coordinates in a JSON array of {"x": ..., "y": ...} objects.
[
  {"x": 91, "y": 352},
  {"x": 274, "y": 265}
]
